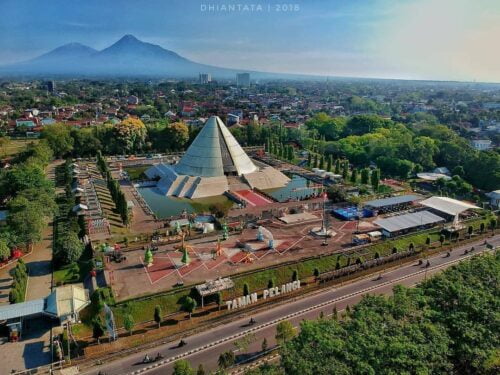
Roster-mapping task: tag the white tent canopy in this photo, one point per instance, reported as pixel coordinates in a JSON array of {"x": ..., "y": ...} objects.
[{"x": 447, "y": 205}]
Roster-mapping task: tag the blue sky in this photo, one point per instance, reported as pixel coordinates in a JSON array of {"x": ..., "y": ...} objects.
[{"x": 413, "y": 39}]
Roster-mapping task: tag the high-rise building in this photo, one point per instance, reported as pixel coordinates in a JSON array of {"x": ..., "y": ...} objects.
[
  {"x": 51, "y": 86},
  {"x": 243, "y": 79},
  {"x": 205, "y": 78}
]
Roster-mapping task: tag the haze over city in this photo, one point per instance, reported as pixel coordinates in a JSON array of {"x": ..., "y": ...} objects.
[{"x": 414, "y": 39}]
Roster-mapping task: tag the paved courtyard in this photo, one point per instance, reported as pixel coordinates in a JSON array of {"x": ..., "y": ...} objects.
[
  {"x": 291, "y": 242},
  {"x": 32, "y": 351}
]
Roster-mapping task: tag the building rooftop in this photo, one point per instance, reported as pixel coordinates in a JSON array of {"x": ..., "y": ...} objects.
[
  {"x": 378, "y": 203},
  {"x": 66, "y": 300},
  {"x": 447, "y": 205},
  {"x": 408, "y": 221},
  {"x": 18, "y": 310}
]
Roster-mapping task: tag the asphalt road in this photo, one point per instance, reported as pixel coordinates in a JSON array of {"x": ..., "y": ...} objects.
[{"x": 205, "y": 347}]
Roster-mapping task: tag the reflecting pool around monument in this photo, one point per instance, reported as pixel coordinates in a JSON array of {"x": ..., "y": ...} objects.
[
  {"x": 297, "y": 188},
  {"x": 165, "y": 207}
]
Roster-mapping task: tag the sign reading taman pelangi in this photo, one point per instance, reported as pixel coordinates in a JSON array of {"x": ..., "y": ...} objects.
[{"x": 268, "y": 293}]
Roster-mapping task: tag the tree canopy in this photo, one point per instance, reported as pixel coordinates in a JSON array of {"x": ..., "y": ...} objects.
[{"x": 446, "y": 325}]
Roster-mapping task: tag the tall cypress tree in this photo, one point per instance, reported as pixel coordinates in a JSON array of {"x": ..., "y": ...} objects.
[
  {"x": 345, "y": 171},
  {"x": 337, "y": 166},
  {"x": 354, "y": 175},
  {"x": 375, "y": 179},
  {"x": 365, "y": 176},
  {"x": 329, "y": 163}
]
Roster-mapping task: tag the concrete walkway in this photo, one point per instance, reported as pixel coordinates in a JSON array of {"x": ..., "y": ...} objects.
[
  {"x": 40, "y": 267},
  {"x": 32, "y": 351},
  {"x": 40, "y": 261}
]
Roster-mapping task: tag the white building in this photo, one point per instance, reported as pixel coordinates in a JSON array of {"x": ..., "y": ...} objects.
[
  {"x": 205, "y": 78},
  {"x": 481, "y": 144}
]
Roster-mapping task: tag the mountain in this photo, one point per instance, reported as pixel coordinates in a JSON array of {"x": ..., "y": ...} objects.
[
  {"x": 64, "y": 59},
  {"x": 70, "y": 52},
  {"x": 129, "y": 57}
]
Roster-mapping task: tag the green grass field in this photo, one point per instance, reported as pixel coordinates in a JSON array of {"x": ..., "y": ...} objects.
[
  {"x": 136, "y": 173},
  {"x": 13, "y": 147}
]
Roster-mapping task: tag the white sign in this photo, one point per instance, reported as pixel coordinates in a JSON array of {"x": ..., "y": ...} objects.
[{"x": 268, "y": 293}]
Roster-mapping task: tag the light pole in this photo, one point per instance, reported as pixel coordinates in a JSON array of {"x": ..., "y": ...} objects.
[{"x": 324, "y": 223}]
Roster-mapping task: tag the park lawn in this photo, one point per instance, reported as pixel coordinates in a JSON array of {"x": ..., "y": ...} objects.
[
  {"x": 65, "y": 276},
  {"x": 204, "y": 204},
  {"x": 15, "y": 146},
  {"x": 143, "y": 310},
  {"x": 136, "y": 173}
]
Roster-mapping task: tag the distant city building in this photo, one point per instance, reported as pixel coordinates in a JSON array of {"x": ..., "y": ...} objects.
[
  {"x": 48, "y": 121},
  {"x": 243, "y": 79},
  {"x": 51, "y": 86},
  {"x": 205, "y": 78},
  {"x": 29, "y": 123},
  {"x": 491, "y": 105},
  {"x": 481, "y": 144}
]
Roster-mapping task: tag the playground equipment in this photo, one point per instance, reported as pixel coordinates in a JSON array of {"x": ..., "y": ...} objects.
[
  {"x": 264, "y": 234},
  {"x": 218, "y": 248},
  {"x": 184, "y": 244},
  {"x": 184, "y": 247},
  {"x": 271, "y": 244},
  {"x": 248, "y": 258}
]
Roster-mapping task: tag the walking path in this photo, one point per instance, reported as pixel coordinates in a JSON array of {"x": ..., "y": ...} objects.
[
  {"x": 40, "y": 261},
  {"x": 34, "y": 348},
  {"x": 40, "y": 267}
]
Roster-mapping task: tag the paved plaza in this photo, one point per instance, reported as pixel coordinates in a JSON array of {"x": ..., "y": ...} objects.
[{"x": 239, "y": 253}]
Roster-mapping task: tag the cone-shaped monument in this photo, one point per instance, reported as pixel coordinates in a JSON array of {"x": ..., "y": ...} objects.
[{"x": 212, "y": 157}]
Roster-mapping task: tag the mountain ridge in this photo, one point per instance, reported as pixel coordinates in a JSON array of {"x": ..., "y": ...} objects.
[{"x": 128, "y": 56}]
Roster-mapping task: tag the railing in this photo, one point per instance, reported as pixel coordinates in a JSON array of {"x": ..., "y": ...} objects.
[{"x": 45, "y": 369}]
